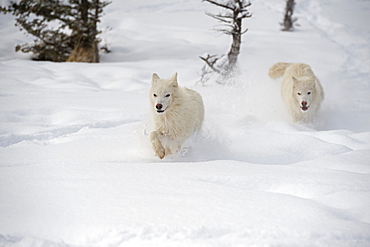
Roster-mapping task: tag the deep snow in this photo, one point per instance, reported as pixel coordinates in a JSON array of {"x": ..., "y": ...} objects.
[{"x": 76, "y": 167}]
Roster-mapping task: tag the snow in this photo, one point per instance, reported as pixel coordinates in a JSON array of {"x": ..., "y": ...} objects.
[{"x": 77, "y": 169}]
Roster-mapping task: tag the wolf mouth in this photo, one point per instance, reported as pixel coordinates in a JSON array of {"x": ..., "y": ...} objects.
[
  {"x": 160, "y": 111},
  {"x": 304, "y": 108}
]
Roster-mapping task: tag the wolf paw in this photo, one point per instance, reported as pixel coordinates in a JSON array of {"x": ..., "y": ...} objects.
[
  {"x": 157, "y": 145},
  {"x": 160, "y": 152}
]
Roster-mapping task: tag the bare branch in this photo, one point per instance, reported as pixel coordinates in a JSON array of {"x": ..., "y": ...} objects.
[
  {"x": 220, "y": 17},
  {"x": 246, "y": 15},
  {"x": 210, "y": 62},
  {"x": 219, "y": 4},
  {"x": 225, "y": 31},
  {"x": 246, "y": 30}
]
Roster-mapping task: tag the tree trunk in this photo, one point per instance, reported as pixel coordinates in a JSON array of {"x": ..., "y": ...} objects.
[
  {"x": 235, "y": 50},
  {"x": 235, "y": 46},
  {"x": 85, "y": 48},
  {"x": 288, "y": 22},
  {"x": 84, "y": 54}
]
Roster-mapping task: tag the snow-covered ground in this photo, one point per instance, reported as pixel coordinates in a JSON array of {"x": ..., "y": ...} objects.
[{"x": 76, "y": 168}]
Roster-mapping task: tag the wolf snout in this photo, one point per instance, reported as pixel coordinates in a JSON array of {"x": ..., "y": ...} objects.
[
  {"x": 159, "y": 106},
  {"x": 304, "y": 106}
]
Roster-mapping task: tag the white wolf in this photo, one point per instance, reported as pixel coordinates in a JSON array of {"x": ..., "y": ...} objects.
[
  {"x": 178, "y": 112},
  {"x": 301, "y": 91}
]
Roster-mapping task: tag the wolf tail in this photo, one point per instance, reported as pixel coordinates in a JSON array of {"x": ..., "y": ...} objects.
[{"x": 277, "y": 70}]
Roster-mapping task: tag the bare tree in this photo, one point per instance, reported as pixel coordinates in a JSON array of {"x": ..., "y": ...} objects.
[
  {"x": 234, "y": 11},
  {"x": 288, "y": 22}
]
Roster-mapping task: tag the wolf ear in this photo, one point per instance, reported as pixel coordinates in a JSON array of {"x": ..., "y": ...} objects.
[
  {"x": 295, "y": 80},
  {"x": 155, "y": 78},
  {"x": 173, "y": 80}
]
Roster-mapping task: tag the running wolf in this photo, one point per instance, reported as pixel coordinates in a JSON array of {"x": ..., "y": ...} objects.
[
  {"x": 178, "y": 113},
  {"x": 301, "y": 91}
]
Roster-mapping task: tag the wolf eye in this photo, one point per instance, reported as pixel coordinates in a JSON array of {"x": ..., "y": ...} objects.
[
  {"x": 154, "y": 95},
  {"x": 168, "y": 95},
  {"x": 309, "y": 93},
  {"x": 299, "y": 93}
]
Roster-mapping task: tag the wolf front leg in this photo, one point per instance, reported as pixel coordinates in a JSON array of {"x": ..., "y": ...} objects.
[{"x": 157, "y": 144}]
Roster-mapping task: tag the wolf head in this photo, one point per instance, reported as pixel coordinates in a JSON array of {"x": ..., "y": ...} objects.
[
  {"x": 162, "y": 93},
  {"x": 304, "y": 91}
]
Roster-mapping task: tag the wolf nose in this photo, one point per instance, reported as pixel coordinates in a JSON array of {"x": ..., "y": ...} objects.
[
  {"x": 159, "y": 106},
  {"x": 304, "y": 103}
]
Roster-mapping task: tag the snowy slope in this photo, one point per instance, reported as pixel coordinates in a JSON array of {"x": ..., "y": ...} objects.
[{"x": 76, "y": 167}]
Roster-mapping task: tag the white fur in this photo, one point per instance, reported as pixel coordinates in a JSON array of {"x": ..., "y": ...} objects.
[
  {"x": 178, "y": 112},
  {"x": 301, "y": 91}
]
